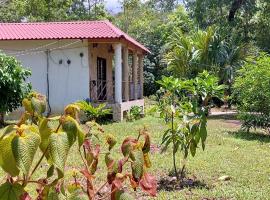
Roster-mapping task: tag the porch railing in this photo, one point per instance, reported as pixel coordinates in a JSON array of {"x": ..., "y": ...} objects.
[{"x": 103, "y": 91}]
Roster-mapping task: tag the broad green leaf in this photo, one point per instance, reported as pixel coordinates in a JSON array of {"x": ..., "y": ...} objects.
[
  {"x": 147, "y": 161},
  {"x": 39, "y": 103},
  {"x": 74, "y": 130},
  {"x": 50, "y": 171},
  {"x": 10, "y": 191},
  {"x": 122, "y": 195},
  {"x": 7, "y": 160},
  {"x": 69, "y": 125},
  {"x": 49, "y": 193},
  {"x": 78, "y": 195},
  {"x": 53, "y": 195},
  {"x": 193, "y": 147},
  {"x": 137, "y": 164},
  {"x": 7, "y": 130},
  {"x": 72, "y": 110},
  {"x": 45, "y": 131},
  {"x": 27, "y": 105},
  {"x": 24, "y": 148},
  {"x": 58, "y": 149},
  {"x": 111, "y": 141},
  {"x": 203, "y": 132},
  {"x": 147, "y": 143}
]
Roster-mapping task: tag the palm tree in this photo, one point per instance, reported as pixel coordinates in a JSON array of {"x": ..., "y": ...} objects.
[{"x": 187, "y": 55}]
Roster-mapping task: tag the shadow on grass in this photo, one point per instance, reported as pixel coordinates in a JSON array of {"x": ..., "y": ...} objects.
[
  {"x": 170, "y": 183},
  {"x": 251, "y": 136},
  {"x": 231, "y": 116}
]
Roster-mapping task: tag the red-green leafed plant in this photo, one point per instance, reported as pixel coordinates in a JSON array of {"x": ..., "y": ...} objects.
[{"x": 55, "y": 137}]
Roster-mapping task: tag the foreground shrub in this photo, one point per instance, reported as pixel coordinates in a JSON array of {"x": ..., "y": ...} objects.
[
  {"x": 134, "y": 113},
  {"x": 55, "y": 137},
  {"x": 184, "y": 106},
  {"x": 252, "y": 93},
  {"x": 92, "y": 112},
  {"x": 12, "y": 84}
]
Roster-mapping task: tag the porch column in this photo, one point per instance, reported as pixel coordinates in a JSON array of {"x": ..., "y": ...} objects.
[
  {"x": 126, "y": 74},
  {"x": 118, "y": 72},
  {"x": 135, "y": 74},
  {"x": 141, "y": 74}
]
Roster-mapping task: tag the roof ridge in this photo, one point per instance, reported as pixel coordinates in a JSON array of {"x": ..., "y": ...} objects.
[
  {"x": 114, "y": 28},
  {"x": 57, "y": 22}
]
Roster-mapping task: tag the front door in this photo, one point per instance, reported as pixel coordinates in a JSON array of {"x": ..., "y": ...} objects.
[{"x": 101, "y": 79}]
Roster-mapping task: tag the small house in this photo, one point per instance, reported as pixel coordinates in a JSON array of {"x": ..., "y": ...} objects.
[{"x": 80, "y": 60}]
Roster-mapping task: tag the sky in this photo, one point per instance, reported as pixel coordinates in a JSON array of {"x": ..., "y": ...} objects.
[{"x": 113, "y": 5}]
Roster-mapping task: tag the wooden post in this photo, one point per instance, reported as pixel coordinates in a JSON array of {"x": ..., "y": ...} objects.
[
  {"x": 126, "y": 74},
  {"x": 118, "y": 72},
  {"x": 141, "y": 74},
  {"x": 135, "y": 74}
]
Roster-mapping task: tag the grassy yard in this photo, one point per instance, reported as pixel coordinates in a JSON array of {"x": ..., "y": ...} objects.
[{"x": 242, "y": 156}]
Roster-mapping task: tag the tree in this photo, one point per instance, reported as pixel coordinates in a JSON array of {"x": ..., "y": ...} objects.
[
  {"x": 252, "y": 93},
  {"x": 184, "y": 105},
  {"x": 52, "y": 10},
  {"x": 152, "y": 28},
  {"x": 189, "y": 54},
  {"x": 13, "y": 87},
  {"x": 262, "y": 26}
]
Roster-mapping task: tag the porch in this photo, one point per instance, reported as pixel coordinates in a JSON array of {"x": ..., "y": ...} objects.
[{"x": 116, "y": 76}]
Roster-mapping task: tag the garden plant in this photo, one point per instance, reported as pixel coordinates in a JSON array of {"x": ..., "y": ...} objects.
[
  {"x": 184, "y": 105},
  {"x": 13, "y": 87},
  {"x": 94, "y": 112},
  {"x": 54, "y": 137},
  {"x": 252, "y": 93},
  {"x": 135, "y": 113}
]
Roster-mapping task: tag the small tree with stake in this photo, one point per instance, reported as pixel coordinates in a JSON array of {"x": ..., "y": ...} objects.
[
  {"x": 12, "y": 84},
  {"x": 184, "y": 105}
]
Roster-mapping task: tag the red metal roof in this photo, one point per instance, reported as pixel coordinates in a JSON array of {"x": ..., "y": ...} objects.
[{"x": 64, "y": 30}]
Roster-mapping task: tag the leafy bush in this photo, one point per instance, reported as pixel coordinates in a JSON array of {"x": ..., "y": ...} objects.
[
  {"x": 12, "y": 84},
  {"x": 94, "y": 113},
  {"x": 55, "y": 137},
  {"x": 135, "y": 113},
  {"x": 179, "y": 105},
  {"x": 252, "y": 92}
]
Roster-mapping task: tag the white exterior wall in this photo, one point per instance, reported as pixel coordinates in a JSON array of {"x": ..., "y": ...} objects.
[{"x": 68, "y": 83}]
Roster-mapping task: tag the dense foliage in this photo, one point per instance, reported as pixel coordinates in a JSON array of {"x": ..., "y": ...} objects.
[
  {"x": 13, "y": 87},
  {"x": 184, "y": 106},
  {"x": 252, "y": 92},
  {"x": 92, "y": 112},
  {"x": 134, "y": 113},
  {"x": 192, "y": 36},
  {"x": 53, "y": 10},
  {"x": 55, "y": 137}
]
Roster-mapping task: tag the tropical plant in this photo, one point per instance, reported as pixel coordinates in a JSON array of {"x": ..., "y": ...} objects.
[
  {"x": 55, "y": 137},
  {"x": 134, "y": 113},
  {"x": 13, "y": 87},
  {"x": 188, "y": 55},
  {"x": 252, "y": 94},
  {"x": 207, "y": 87},
  {"x": 184, "y": 105},
  {"x": 92, "y": 112}
]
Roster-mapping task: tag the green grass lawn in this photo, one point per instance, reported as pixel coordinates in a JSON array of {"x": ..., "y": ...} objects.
[{"x": 242, "y": 156}]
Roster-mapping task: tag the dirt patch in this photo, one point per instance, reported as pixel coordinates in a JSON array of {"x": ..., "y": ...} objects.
[
  {"x": 233, "y": 123},
  {"x": 169, "y": 183}
]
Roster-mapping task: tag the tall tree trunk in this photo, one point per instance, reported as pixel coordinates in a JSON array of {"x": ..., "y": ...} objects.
[
  {"x": 236, "y": 5},
  {"x": 2, "y": 119}
]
